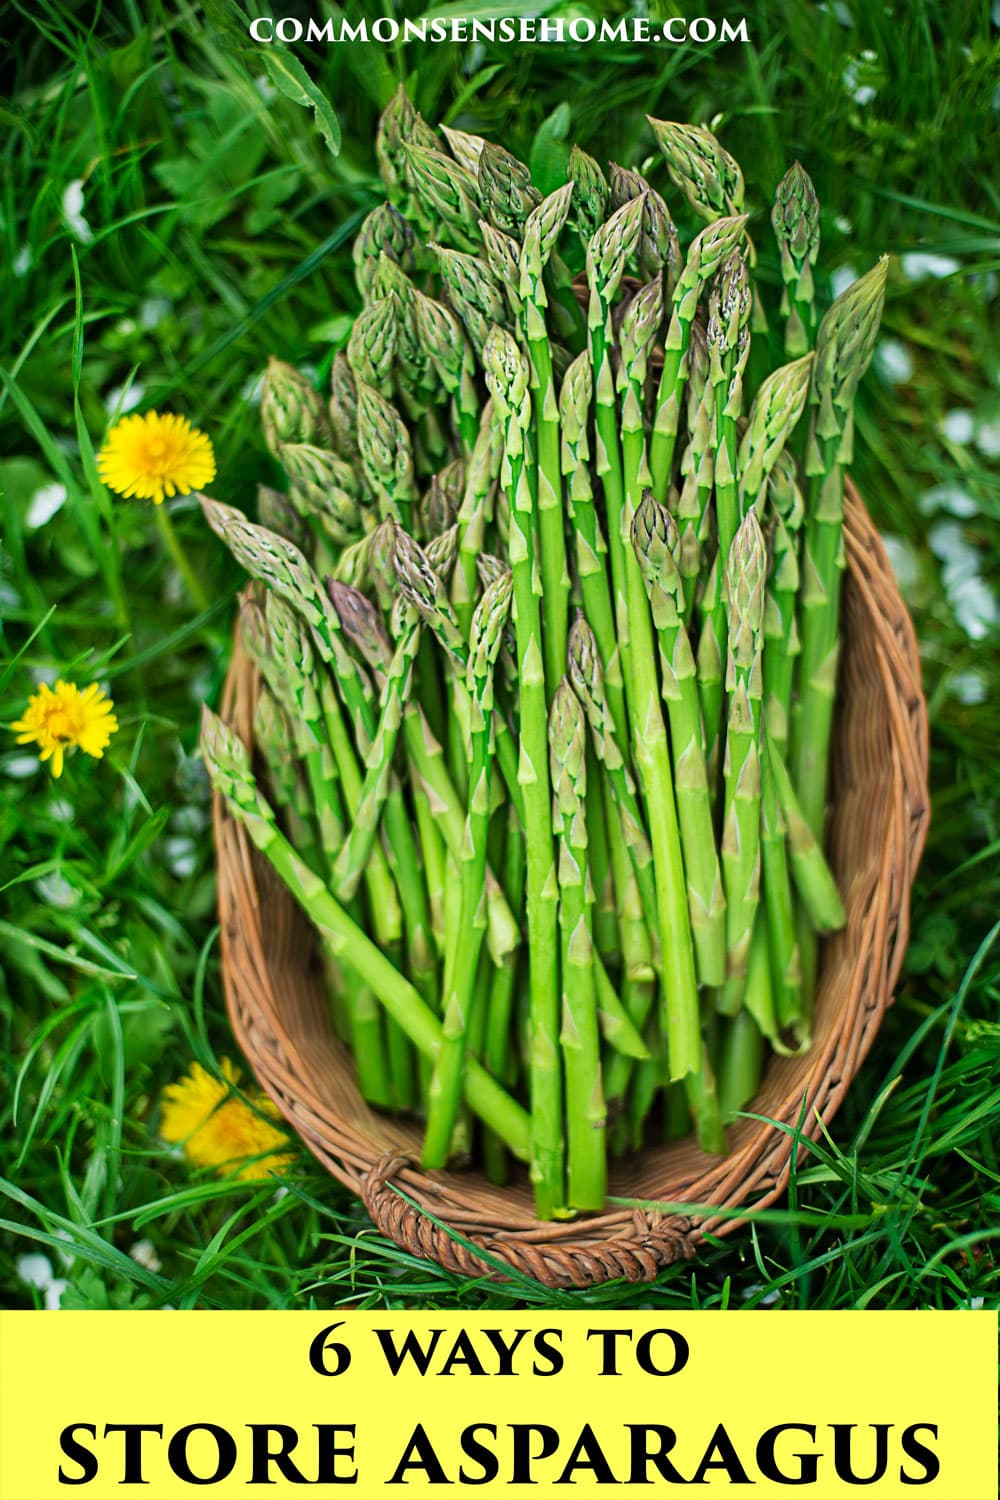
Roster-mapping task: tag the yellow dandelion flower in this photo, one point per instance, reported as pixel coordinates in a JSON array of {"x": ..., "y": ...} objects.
[
  {"x": 58, "y": 718},
  {"x": 218, "y": 1129},
  {"x": 153, "y": 456}
]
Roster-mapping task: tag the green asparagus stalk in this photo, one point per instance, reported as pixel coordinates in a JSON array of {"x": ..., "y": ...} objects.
[
  {"x": 745, "y": 578},
  {"x": 781, "y": 636},
  {"x": 541, "y": 231},
  {"x": 324, "y": 490},
  {"x": 343, "y": 409},
  {"x": 445, "y": 193},
  {"x": 844, "y": 347},
  {"x": 659, "y": 245},
  {"x": 506, "y": 189},
  {"x": 277, "y": 513},
  {"x": 607, "y": 256},
  {"x": 383, "y": 232},
  {"x": 399, "y": 122},
  {"x": 622, "y": 814},
  {"x": 590, "y": 546},
  {"x": 473, "y": 515},
  {"x": 814, "y": 879},
  {"x": 503, "y": 256},
  {"x": 778, "y": 925},
  {"x": 290, "y": 409},
  {"x": 701, "y": 167},
  {"x": 579, "y": 1036},
  {"x": 685, "y": 1051},
  {"x": 357, "y": 847},
  {"x": 694, "y": 511},
  {"x": 499, "y": 1055},
  {"x": 228, "y": 764},
  {"x": 707, "y": 252},
  {"x": 655, "y": 539},
  {"x": 465, "y": 148},
  {"x": 371, "y": 349},
  {"x": 591, "y": 194},
  {"x": 795, "y": 218},
  {"x": 507, "y": 378},
  {"x": 386, "y": 455},
  {"x": 443, "y": 337},
  {"x": 487, "y": 632},
  {"x": 474, "y": 293}
]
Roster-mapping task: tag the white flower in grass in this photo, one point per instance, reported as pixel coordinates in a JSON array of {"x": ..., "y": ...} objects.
[
  {"x": 72, "y": 212},
  {"x": 893, "y": 362},
  {"x": 842, "y": 278},
  {"x": 921, "y": 265},
  {"x": 972, "y": 601},
  {"x": 143, "y": 1252},
  {"x": 903, "y": 561},
  {"x": 950, "y": 498},
  {"x": 968, "y": 687},
  {"x": 36, "y": 1271},
  {"x": 121, "y": 399},
  {"x": 153, "y": 311},
  {"x": 988, "y": 438},
  {"x": 21, "y": 263},
  {"x": 44, "y": 504},
  {"x": 958, "y": 427}
]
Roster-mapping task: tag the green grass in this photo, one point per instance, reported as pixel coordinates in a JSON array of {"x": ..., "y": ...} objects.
[{"x": 220, "y": 227}]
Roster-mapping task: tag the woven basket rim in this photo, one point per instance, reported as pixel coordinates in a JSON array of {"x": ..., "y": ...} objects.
[{"x": 262, "y": 962}]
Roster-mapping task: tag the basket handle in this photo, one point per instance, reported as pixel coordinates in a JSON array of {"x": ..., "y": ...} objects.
[{"x": 656, "y": 1241}]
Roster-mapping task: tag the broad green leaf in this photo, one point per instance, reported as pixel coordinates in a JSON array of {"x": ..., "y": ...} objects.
[{"x": 290, "y": 77}]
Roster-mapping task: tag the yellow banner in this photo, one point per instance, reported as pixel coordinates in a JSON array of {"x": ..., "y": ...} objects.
[{"x": 175, "y": 1404}]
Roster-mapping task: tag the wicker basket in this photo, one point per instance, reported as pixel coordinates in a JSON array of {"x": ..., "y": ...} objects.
[{"x": 881, "y": 809}]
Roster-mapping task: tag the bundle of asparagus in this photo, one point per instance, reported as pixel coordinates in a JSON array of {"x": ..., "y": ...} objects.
[{"x": 546, "y": 626}]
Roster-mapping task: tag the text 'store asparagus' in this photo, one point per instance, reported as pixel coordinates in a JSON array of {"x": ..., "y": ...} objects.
[{"x": 546, "y": 617}]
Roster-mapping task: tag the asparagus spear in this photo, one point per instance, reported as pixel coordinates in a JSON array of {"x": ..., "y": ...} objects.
[
  {"x": 589, "y": 544},
  {"x": 445, "y": 195},
  {"x": 290, "y": 409},
  {"x": 383, "y": 232},
  {"x": 506, "y": 190},
  {"x": 685, "y": 1051},
  {"x": 371, "y": 348},
  {"x": 276, "y": 512},
  {"x": 701, "y": 167},
  {"x": 707, "y": 252},
  {"x": 541, "y": 230},
  {"x": 386, "y": 454},
  {"x": 473, "y": 291},
  {"x": 795, "y": 218},
  {"x": 343, "y": 408},
  {"x": 590, "y": 194},
  {"x": 228, "y": 764},
  {"x": 487, "y": 632},
  {"x": 465, "y": 148},
  {"x": 655, "y": 539},
  {"x": 844, "y": 347},
  {"x": 324, "y": 489},
  {"x": 503, "y": 256},
  {"x": 483, "y": 468},
  {"x": 781, "y": 637},
  {"x": 694, "y": 511},
  {"x": 745, "y": 577},
  {"x": 813, "y": 877},
  {"x": 399, "y": 122},
  {"x": 659, "y": 245},
  {"x": 507, "y": 378},
  {"x": 585, "y": 1111}
]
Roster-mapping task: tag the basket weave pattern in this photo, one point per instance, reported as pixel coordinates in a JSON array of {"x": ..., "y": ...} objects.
[{"x": 280, "y": 1016}]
